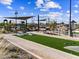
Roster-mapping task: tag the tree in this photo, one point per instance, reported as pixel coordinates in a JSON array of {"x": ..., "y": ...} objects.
[
  {"x": 53, "y": 25},
  {"x": 5, "y": 24}
]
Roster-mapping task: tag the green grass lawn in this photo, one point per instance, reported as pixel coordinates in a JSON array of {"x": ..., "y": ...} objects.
[{"x": 52, "y": 42}]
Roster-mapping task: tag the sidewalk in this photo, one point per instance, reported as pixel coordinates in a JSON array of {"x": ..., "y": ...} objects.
[{"x": 41, "y": 51}]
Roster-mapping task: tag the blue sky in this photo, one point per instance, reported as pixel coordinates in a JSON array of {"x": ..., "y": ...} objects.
[{"x": 54, "y": 9}]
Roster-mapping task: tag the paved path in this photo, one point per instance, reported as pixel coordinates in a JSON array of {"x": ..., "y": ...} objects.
[
  {"x": 63, "y": 36},
  {"x": 41, "y": 51}
]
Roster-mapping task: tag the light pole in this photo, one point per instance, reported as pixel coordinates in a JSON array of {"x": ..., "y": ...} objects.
[
  {"x": 38, "y": 23},
  {"x": 70, "y": 18},
  {"x": 16, "y": 13}
]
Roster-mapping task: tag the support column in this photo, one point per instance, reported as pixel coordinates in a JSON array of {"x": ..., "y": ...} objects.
[{"x": 38, "y": 23}]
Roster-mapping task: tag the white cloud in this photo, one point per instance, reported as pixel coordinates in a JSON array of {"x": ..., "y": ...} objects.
[
  {"x": 39, "y": 3},
  {"x": 6, "y": 2},
  {"x": 55, "y": 14},
  {"x": 52, "y": 4},
  {"x": 22, "y": 8},
  {"x": 29, "y": 2},
  {"x": 24, "y": 13},
  {"x": 76, "y": 6},
  {"x": 32, "y": 14},
  {"x": 68, "y": 11},
  {"x": 43, "y": 9},
  {"x": 47, "y": 4},
  {"x": 35, "y": 8},
  {"x": 9, "y": 7},
  {"x": 67, "y": 15},
  {"x": 47, "y": 0},
  {"x": 1, "y": 16},
  {"x": 76, "y": 11}
]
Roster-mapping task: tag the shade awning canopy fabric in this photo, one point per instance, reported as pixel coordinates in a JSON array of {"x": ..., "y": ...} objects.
[
  {"x": 43, "y": 20},
  {"x": 20, "y": 18}
]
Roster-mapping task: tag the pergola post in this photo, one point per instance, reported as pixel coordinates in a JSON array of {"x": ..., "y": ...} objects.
[{"x": 26, "y": 23}]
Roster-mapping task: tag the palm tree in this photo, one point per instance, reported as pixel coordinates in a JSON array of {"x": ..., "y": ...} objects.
[
  {"x": 9, "y": 25},
  {"x": 53, "y": 25}
]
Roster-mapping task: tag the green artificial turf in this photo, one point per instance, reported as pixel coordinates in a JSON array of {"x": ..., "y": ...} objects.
[
  {"x": 75, "y": 32},
  {"x": 53, "y": 42}
]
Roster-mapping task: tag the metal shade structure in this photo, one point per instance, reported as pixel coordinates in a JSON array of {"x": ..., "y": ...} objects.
[
  {"x": 43, "y": 20},
  {"x": 20, "y": 18}
]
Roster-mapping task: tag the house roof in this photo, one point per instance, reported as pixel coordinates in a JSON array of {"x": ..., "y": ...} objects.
[{"x": 73, "y": 21}]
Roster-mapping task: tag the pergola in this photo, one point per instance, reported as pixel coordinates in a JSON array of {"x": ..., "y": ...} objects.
[
  {"x": 26, "y": 18},
  {"x": 20, "y": 18}
]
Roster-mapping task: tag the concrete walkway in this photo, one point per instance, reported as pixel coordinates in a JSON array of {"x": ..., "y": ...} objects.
[{"x": 38, "y": 50}]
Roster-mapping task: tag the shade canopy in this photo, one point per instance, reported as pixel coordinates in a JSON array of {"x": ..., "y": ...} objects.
[
  {"x": 43, "y": 20},
  {"x": 21, "y": 18}
]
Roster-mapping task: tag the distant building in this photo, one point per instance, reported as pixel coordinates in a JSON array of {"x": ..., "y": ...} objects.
[
  {"x": 62, "y": 28},
  {"x": 74, "y": 25}
]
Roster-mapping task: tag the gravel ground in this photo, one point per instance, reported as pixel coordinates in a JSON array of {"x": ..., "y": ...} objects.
[{"x": 9, "y": 51}]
